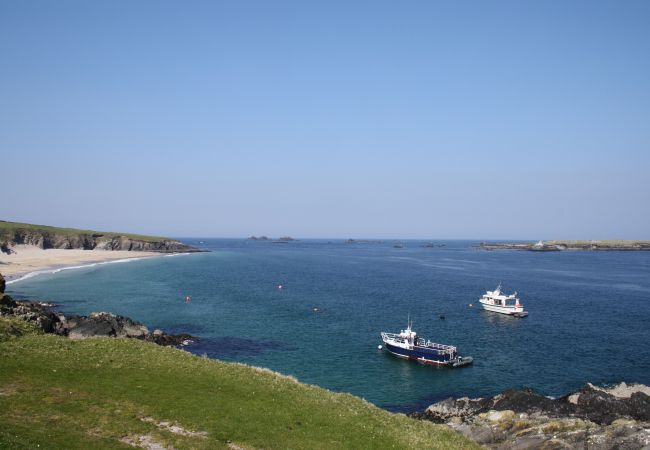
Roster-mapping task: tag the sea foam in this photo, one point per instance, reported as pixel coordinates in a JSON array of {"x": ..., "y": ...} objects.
[{"x": 80, "y": 266}]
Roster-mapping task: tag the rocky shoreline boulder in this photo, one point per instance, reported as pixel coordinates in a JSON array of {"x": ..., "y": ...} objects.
[
  {"x": 100, "y": 324},
  {"x": 593, "y": 417}
]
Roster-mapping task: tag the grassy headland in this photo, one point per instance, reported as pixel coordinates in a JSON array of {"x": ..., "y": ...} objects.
[
  {"x": 9, "y": 229},
  {"x": 46, "y": 237},
  {"x": 106, "y": 393}
]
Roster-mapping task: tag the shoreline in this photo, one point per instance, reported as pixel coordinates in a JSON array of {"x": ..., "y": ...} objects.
[
  {"x": 29, "y": 261},
  {"x": 20, "y": 276}
]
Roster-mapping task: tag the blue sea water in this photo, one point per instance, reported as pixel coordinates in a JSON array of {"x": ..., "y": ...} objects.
[{"x": 589, "y": 312}]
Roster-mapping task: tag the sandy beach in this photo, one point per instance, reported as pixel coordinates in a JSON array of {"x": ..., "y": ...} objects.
[{"x": 28, "y": 258}]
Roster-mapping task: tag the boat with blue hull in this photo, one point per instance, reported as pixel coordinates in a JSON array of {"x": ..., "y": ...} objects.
[{"x": 407, "y": 345}]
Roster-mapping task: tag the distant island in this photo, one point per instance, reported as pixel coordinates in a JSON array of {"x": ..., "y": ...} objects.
[
  {"x": 280, "y": 240},
  {"x": 258, "y": 238},
  {"x": 363, "y": 241},
  {"x": 556, "y": 246}
]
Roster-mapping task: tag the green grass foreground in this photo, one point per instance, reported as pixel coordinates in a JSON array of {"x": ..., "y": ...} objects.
[
  {"x": 94, "y": 393},
  {"x": 8, "y": 229}
]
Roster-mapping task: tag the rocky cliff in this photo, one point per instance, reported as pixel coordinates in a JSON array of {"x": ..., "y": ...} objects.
[{"x": 63, "y": 238}]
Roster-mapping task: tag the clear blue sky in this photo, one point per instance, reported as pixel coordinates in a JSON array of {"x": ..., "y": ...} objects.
[{"x": 418, "y": 119}]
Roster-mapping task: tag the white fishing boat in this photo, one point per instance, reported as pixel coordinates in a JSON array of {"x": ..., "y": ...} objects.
[{"x": 496, "y": 301}]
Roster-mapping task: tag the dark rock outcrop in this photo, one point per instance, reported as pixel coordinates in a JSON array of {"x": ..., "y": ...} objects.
[
  {"x": 591, "y": 402},
  {"x": 6, "y": 304},
  {"x": 4, "y": 248},
  {"x": 160, "y": 338},
  {"x": 2, "y": 284},
  {"x": 100, "y": 324},
  {"x": 593, "y": 417}
]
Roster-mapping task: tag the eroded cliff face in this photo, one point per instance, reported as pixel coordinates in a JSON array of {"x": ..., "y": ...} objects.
[{"x": 46, "y": 240}]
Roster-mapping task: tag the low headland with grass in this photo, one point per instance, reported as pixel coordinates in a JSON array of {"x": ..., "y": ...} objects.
[{"x": 560, "y": 245}]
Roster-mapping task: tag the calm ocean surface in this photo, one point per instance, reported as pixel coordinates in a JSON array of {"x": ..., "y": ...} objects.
[{"x": 589, "y": 312}]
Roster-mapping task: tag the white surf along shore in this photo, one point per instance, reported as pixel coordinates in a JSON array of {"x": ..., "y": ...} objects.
[{"x": 28, "y": 260}]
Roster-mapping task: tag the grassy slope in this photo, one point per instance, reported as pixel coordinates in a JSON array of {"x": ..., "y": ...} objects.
[
  {"x": 9, "y": 228},
  {"x": 60, "y": 393}
]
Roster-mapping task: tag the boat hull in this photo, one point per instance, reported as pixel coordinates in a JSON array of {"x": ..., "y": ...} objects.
[
  {"x": 504, "y": 310},
  {"x": 421, "y": 355}
]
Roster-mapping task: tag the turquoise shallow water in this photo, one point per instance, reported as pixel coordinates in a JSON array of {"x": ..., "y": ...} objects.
[{"x": 589, "y": 312}]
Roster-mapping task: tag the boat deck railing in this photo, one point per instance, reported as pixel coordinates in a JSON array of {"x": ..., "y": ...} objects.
[
  {"x": 442, "y": 348},
  {"x": 393, "y": 337}
]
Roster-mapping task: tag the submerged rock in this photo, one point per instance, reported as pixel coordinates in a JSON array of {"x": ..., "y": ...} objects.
[
  {"x": 170, "y": 339},
  {"x": 592, "y": 417}
]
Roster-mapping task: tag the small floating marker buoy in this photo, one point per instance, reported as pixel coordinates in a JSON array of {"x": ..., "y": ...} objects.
[
  {"x": 379, "y": 347},
  {"x": 187, "y": 299},
  {"x": 315, "y": 309},
  {"x": 280, "y": 286},
  {"x": 471, "y": 305}
]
